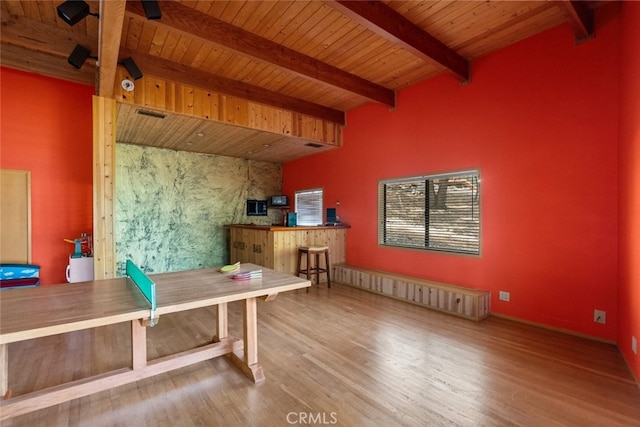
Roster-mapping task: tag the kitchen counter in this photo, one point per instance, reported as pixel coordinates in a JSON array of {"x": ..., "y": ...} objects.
[
  {"x": 283, "y": 228},
  {"x": 276, "y": 246}
]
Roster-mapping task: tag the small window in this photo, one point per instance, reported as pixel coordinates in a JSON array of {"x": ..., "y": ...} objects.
[
  {"x": 434, "y": 212},
  {"x": 309, "y": 206}
]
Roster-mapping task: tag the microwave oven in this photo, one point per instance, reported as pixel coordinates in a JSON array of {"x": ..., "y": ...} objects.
[
  {"x": 279, "y": 200},
  {"x": 256, "y": 208}
]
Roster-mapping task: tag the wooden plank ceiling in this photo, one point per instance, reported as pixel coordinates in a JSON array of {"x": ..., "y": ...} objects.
[{"x": 313, "y": 59}]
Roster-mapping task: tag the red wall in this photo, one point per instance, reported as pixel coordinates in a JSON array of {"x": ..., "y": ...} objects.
[
  {"x": 629, "y": 292},
  {"x": 46, "y": 127},
  {"x": 540, "y": 120}
]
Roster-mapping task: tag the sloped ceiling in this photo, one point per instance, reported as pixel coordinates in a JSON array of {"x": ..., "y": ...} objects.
[{"x": 318, "y": 58}]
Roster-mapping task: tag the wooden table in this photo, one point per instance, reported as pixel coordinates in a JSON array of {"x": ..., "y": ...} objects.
[{"x": 49, "y": 310}]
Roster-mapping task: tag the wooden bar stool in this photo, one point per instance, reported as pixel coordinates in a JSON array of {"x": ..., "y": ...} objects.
[{"x": 309, "y": 270}]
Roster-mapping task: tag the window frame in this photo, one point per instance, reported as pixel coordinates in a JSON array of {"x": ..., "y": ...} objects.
[
  {"x": 320, "y": 209},
  {"x": 382, "y": 224}
]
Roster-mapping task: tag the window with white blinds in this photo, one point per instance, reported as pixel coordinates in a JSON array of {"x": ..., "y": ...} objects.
[
  {"x": 435, "y": 212},
  {"x": 309, "y": 206}
]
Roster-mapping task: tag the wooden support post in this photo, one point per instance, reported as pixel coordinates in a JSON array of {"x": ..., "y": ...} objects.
[{"x": 104, "y": 153}]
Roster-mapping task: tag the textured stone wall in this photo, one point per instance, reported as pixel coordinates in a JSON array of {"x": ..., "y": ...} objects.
[{"x": 171, "y": 206}]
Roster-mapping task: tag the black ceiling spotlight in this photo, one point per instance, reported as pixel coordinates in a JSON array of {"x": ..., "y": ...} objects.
[
  {"x": 79, "y": 56},
  {"x": 132, "y": 68},
  {"x": 151, "y": 9},
  {"x": 72, "y": 11}
]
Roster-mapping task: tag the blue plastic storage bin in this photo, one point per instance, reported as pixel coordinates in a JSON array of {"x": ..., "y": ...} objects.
[{"x": 19, "y": 276}]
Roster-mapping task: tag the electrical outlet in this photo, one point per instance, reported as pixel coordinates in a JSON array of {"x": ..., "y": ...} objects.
[
  {"x": 600, "y": 316},
  {"x": 504, "y": 296},
  {"x": 634, "y": 345}
]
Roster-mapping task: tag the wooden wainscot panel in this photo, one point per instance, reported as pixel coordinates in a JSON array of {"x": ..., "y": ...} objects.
[
  {"x": 365, "y": 281},
  {"x": 463, "y": 302},
  {"x": 270, "y": 119},
  {"x": 432, "y": 300},
  {"x": 375, "y": 283},
  {"x": 442, "y": 299},
  {"x": 268, "y": 251},
  {"x": 205, "y": 104},
  {"x": 155, "y": 93},
  {"x": 400, "y": 290},
  {"x": 232, "y": 110},
  {"x": 417, "y": 296},
  {"x": 411, "y": 288},
  {"x": 184, "y": 99},
  {"x": 469, "y": 305},
  {"x": 387, "y": 285}
]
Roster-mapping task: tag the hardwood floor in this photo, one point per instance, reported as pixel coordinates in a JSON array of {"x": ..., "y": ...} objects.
[{"x": 340, "y": 357}]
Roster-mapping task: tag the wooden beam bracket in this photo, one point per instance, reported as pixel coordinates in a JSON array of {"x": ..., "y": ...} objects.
[{"x": 581, "y": 19}]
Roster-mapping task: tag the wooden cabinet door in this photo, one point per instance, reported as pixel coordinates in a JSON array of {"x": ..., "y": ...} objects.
[{"x": 237, "y": 251}]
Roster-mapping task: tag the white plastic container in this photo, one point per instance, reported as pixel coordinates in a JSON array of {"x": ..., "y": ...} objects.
[{"x": 80, "y": 269}]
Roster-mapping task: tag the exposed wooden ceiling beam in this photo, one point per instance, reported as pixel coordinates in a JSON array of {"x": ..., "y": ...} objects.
[
  {"x": 110, "y": 33},
  {"x": 166, "y": 69},
  {"x": 580, "y": 17},
  {"x": 195, "y": 23},
  {"x": 387, "y": 23},
  {"x": 46, "y": 64},
  {"x": 35, "y": 35},
  {"x": 36, "y": 47}
]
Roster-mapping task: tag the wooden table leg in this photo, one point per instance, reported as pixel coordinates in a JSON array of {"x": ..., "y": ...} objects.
[
  {"x": 247, "y": 361},
  {"x": 222, "y": 322},
  {"x": 138, "y": 344},
  {"x": 250, "y": 331}
]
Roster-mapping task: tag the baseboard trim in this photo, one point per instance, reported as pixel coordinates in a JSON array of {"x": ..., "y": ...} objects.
[
  {"x": 633, "y": 374},
  {"x": 555, "y": 329}
]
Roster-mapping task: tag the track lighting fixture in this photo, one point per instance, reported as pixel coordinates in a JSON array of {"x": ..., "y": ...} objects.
[
  {"x": 81, "y": 53},
  {"x": 73, "y": 11},
  {"x": 152, "y": 9},
  {"x": 132, "y": 68},
  {"x": 79, "y": 56}
]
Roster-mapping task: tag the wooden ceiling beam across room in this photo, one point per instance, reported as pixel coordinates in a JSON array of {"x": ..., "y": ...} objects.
[
  {"x": 386, "y": 22},
  {"x": 201, "y": 25},
  {"x": 34, "y": 46},
  {"x": 173, "y": 71}
]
